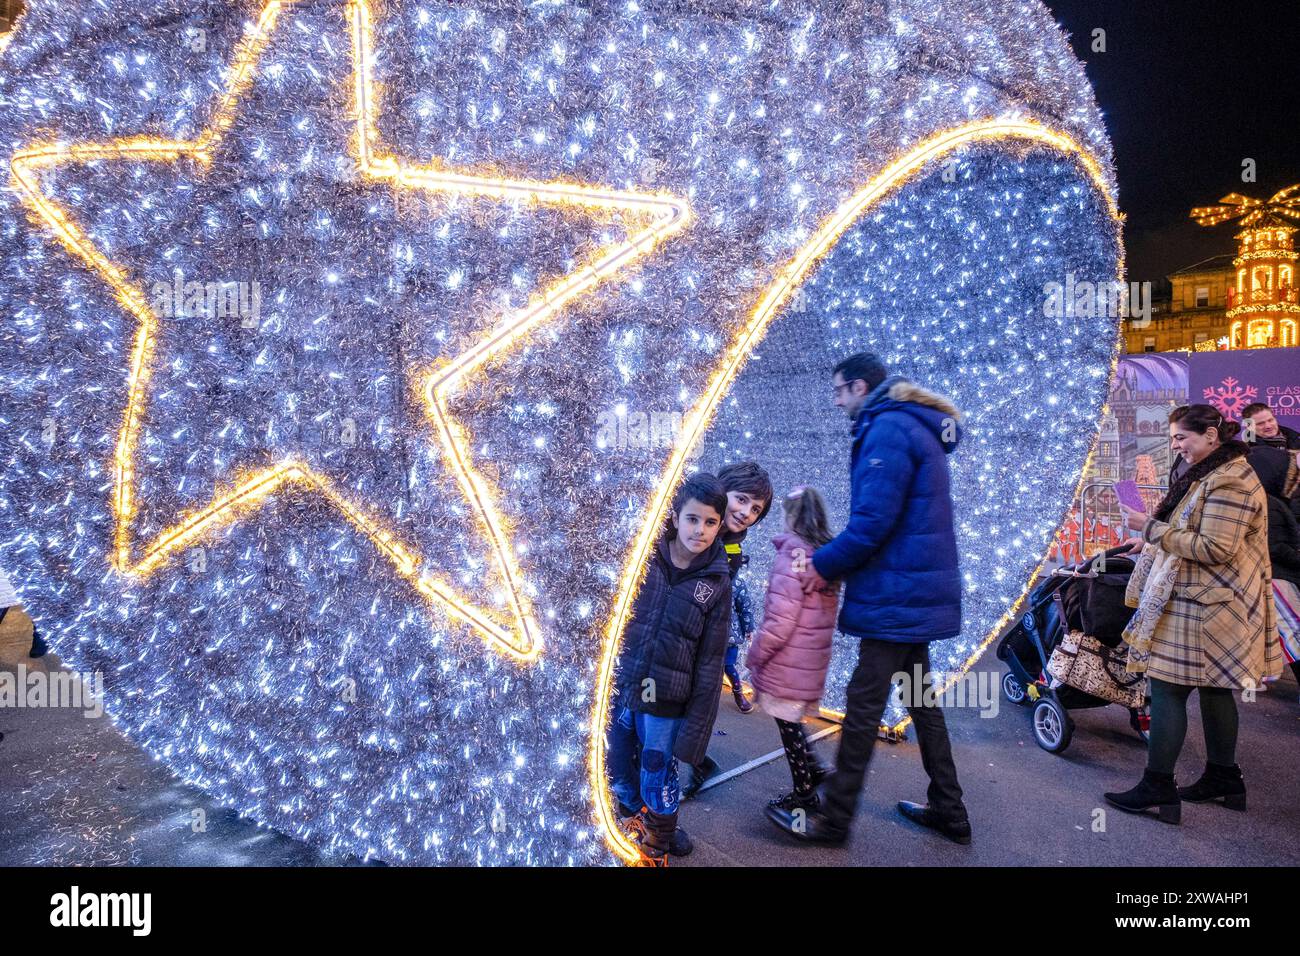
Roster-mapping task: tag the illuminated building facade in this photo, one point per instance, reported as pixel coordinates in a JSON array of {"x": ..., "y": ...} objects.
[{"x": 1263, "y": 311}]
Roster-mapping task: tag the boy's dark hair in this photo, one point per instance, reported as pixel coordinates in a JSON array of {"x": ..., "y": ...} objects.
[
  {"x": 865, "y": 366},
  {"x": 1254, "y": 407},
  {"x": 705, "y": 489},
  {"x": 750, "y": 478}
]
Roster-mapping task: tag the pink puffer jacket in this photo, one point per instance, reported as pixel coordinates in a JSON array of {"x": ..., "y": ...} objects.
[{"x": 791, "y": 652}]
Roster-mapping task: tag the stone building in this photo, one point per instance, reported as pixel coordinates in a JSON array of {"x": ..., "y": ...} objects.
[
  {"x": 1195, "y": 316},
  {"x": 9, "y": 10},
  {"x": 1247, "y": 301}
]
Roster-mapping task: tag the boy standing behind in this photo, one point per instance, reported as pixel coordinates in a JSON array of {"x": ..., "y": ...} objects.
[
  {"x": 670, "y": 668},
  {"x": 749, "y": 498}
]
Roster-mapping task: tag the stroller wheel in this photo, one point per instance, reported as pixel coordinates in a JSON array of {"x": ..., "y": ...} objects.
[
  {"x": 1052, "y": 727},
  {"x": 1013, "y": 689}
]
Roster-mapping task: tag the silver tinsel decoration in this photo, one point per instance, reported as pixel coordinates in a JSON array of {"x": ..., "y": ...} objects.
[{"x": 278, "y": 659}]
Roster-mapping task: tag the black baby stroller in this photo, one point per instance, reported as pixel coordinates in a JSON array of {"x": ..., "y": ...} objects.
[{"x": 1086, "y": 598}]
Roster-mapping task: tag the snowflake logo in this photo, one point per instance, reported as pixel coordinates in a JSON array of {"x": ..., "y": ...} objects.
[{"x": 1230, "y": 398}]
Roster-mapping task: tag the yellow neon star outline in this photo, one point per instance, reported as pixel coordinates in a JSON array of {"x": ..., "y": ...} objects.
[
  {"x": 884, "y": 184},
  {"x": 888, "y": 181},
  {"x": 668, "y": 216}
]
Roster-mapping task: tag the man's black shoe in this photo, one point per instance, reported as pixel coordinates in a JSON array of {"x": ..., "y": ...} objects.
[
  {"x": 958, "y": 831},
  {"x": 810, "y": 826}
]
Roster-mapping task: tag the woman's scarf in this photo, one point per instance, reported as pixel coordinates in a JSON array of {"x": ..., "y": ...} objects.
[
  {"x": 1157, "y": 570},
  {"x": 1225, "y": 453}
]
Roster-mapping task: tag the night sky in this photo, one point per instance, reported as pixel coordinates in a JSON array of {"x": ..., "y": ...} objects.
[{"x": 1190, "y": 89}]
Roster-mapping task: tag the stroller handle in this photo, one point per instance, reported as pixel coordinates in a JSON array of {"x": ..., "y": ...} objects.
[{"x": 1072, "y": 571}]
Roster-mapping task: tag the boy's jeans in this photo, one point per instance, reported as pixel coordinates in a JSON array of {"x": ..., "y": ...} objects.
[
  {"x": 638, "y": 740},
  {"x": 729, "y": 663}
]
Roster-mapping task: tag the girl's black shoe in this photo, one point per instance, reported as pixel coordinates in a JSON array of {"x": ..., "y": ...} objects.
[
  {"x": 1219, "y": 782},
  {"x": 1156, "y": 790},
  {"x": 791, "y": 801},
  {"x": 656, "y": 836}
]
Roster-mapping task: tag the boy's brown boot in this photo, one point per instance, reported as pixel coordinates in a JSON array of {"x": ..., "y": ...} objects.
[{"x": 646, "y": 832}]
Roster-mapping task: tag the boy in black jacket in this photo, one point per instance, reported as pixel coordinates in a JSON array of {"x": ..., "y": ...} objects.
[
  {"x": 670, "y": 667},
  {"x": 749, "y": 498}
]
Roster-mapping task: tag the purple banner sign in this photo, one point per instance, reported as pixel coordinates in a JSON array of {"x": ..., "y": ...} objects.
[
  {"x": 1232, "y": 380},
  {"x": 1134, "y": 440}
]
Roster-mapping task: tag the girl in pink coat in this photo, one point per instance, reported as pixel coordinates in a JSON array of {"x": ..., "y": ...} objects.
[{"x": 791, "y": 652}]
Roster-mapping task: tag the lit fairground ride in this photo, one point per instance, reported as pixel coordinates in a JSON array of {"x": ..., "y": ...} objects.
[{"x": 1263, "y": 308}]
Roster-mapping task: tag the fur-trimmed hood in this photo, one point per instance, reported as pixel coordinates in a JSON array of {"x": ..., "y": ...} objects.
[
  {"x": 935, "y": 411},
  {"x": 904, "y": 391}
]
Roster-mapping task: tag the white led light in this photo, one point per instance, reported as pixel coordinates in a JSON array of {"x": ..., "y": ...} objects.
[{"x": 394, "y": 636}]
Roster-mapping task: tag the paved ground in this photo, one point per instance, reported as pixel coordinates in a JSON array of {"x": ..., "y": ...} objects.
[
  {"x": 1027, "y": 807},
  {"x": 74, "y": 791}
]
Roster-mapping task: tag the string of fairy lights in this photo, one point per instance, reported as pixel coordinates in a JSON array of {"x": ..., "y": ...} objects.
[{"x": 357, "y": 562}]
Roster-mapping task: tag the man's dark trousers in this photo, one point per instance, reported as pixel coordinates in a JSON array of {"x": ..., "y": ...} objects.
[{"x": 868, "y": 691}]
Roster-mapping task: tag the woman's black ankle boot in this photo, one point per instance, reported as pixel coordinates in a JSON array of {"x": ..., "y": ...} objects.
[
  {"x": 1156, "y": 790},
  {"x": 1219, "y": 782}
]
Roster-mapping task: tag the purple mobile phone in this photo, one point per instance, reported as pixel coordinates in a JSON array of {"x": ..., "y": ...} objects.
[{"x": 1129, "y": 496}]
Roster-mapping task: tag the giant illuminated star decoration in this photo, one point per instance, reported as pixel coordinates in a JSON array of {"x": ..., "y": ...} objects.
[
  {"x": 846, "y": 198},
  {"x": 519, "y": 636}
]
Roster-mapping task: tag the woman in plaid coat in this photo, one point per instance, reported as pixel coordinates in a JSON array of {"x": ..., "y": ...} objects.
[{"x": 1205, "y": 619}]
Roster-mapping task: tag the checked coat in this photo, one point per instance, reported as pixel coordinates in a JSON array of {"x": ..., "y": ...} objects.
[{"x": 1219, "y": 628}]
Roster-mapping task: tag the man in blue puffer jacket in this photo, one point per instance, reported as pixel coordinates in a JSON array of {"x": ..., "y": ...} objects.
[{"x": 898, "y": 559}]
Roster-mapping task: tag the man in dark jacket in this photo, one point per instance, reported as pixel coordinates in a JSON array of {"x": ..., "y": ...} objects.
[
  {"x": 1260, "y": 427},
  {"x": 670, "y": 667},
  {"x": 898, "y": 559},
  {"x": 1279, "y": 476}
]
